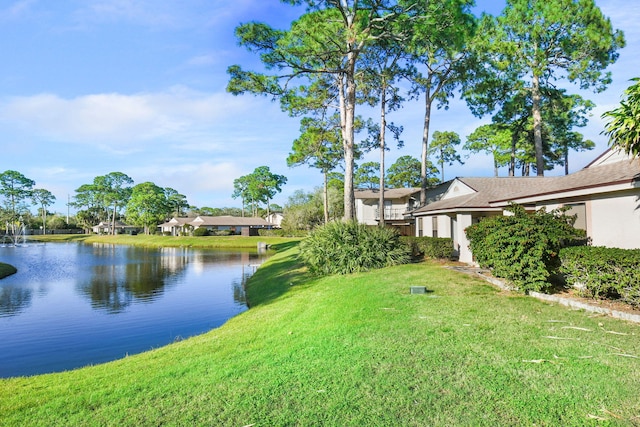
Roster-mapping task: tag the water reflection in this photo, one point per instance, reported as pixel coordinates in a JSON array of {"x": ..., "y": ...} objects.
[
  {"x": 13, "y": 300},
  {"x": 132, "y": 273},
  {"x": 75, "y": 304}
]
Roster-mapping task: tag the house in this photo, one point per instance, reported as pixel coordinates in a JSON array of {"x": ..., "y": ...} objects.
[
  {"x": 235, "y": 225},
  {"x": 605, "y": 197},
  {"x": 275, "y": 219},
  {"x": 398, "y": 204},
  {"x": 105, "y": 227},
  {"x": 176, "y": 226}
]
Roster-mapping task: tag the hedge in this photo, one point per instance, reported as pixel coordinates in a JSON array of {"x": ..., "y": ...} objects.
[
  {"x": 522, "y": 247},
  {"x": 602, "y": 272},
  {"x": 429, "y": 247}
]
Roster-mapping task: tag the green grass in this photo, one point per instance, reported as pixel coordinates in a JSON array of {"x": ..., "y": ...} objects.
[
  {"x": 6, "y": 270},
  {"x": 360, "y": 350},
  {"x": 231, "y": 242}
]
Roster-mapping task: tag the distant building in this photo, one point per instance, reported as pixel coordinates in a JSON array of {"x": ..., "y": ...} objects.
[
  {"x": 398, "y": 205},
  {"x": 106, "y": 227},
  {"x": 235, "y": 225},
  {"x": 275, "y": 219}
]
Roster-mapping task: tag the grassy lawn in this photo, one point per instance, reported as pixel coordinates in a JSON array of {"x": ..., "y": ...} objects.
[
  {"x": 231, "y": 242},
  {"x": 360, "y": 350}
]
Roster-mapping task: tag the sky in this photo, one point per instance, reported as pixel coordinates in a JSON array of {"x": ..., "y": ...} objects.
[{"x": 89, "y": 87}]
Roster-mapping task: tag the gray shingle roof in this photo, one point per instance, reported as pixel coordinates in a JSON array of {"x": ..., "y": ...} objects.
[
  {"x": 490, "y": 191},
  {"x": 486, "y": 190},
  {"x": 389, "y": 193},
  {"x": 229, "y": 221}
]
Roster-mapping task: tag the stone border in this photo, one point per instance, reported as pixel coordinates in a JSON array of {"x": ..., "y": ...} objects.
[{"x": 560, "y": 300}]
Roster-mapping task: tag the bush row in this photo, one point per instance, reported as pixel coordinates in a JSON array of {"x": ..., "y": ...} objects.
[
  {"x": 429, "y": 247},
  {"x": 522, "y": 247},
  {"x": 603, "y": 272}
]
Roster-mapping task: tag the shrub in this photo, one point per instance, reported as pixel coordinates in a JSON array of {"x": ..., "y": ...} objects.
[
  {"x": 348, "y": 247},
  {"x": 429, "y": 247},
  {"x": 603, "y": 272},
  {"x": 199, "y": 232},
  {"x": 221, "y": 233},
  {"x": 522, "y": 247}
]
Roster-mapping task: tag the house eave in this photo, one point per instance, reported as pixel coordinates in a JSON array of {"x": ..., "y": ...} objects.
[
  {"x": 458, "y": 210},
  {"x": 570, "y": 193}
]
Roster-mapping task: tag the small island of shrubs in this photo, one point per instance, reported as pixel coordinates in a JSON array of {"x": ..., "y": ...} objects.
[{"x": 6, "y": 270}]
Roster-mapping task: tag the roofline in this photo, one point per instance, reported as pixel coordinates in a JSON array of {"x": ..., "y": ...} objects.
[
  {"x": 606, "y": 152},
  {"x": 455, "y": 210},
  {"x": 567, "y": 190}
]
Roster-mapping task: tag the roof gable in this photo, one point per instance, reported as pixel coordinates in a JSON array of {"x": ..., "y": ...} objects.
[{"x": 457, "y": 188}]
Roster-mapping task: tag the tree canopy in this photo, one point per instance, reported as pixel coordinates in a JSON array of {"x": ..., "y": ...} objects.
[
  {"x": 147, "y": 206},
  {"x": 623, "y": 123},
  {"x": 443, "y": 147},
  {"x": 258, "y": 187},
  {"x": 328, "y": 40},
  {"x": 534, "y": 43}
]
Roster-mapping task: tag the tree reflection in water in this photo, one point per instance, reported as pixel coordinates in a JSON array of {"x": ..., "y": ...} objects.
[
  {"x": 13, "y": 299},
  {"x": 135, "y": 273}
]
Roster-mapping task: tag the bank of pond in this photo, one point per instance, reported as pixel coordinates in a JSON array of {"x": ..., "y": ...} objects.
[{"x": 360, "y": 349}]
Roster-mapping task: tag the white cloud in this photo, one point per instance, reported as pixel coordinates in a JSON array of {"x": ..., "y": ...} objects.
[
  {"x": 16, "y": 9},
  {"x": 128, "y": 123}
]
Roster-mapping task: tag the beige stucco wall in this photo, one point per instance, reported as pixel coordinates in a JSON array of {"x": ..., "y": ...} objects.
[
  {"x": 615, "y": 222},
  {"x": 365, "y": 212},
  {"x": 612, "y": 220},
  {"x": 426, "y": 225}
]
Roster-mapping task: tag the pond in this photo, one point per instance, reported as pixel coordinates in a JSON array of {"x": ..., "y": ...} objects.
[{"x": 74, "y": 304}]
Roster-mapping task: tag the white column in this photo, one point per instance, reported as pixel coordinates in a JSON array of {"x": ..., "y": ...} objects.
[{"x": 463, "y": 220}]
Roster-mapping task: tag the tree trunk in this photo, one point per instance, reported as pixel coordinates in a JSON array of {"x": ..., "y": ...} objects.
[
  {"x": 425, "y": 146},
  {"x": 44, "y": 219},
  {"x": 347, "y": 118},
  {"x": 113, "y": 222},
  {"x": 512, "y": 161},
  {"x": 325, "y": 196},
  {"x": 537, "y": 125},
  {"x": 383, "y": 127},
  {"x": 566, "y": 160}
]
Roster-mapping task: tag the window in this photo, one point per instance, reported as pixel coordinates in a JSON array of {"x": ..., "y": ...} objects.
[
  {"x": 434, "y": 226},
  {"x": 580, "y": 210}
]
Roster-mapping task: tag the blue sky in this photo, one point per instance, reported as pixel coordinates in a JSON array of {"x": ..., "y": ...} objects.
[{"x": 89, "y": 87}]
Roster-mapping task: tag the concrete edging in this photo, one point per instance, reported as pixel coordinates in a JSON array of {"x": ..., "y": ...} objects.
[{"x": 565, "y": 301}]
